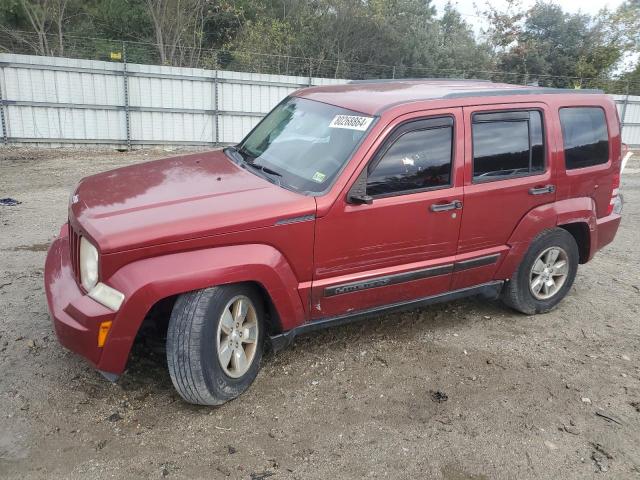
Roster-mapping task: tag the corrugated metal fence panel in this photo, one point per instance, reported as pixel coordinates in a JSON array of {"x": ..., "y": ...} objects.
[
  {"x": 327, "y": 81},
  {"x": 49, "y": 99},
  {"x": 629, "y": 107},
  {"x": 234, "y": 128},
  {"x": 34, "y": 97},
  {"x": 298, "y": 82},
  {"x": 631, "y": 131},
  {"x": 156, "y": 128},
  {"x": 188, "y": 89},
  {"x": 60, "y": 100},
  {"x": 64, "y": 123},
  {"x": 251, "y": 98},
  {"x": 255, "y": 99}
]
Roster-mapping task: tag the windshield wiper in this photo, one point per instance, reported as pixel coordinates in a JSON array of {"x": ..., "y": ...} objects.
[
  {"x": 274, "y": 175},
  {"x": 265, "y": 169},
  {"x": 239, "y": 157}
]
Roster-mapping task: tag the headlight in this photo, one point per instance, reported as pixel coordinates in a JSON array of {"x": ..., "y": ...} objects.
[
  {"x": 88, "y": 264},
  {"x": 101, "y": 293}
]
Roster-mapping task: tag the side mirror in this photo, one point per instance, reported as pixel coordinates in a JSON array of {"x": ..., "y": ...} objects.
[{"x": 358, "y": 192}]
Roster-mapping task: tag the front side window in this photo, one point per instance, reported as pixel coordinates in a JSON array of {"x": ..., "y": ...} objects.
[
  {"x": 585, "y": 137},
  {"x": 418, "y": 159},
  {"x": 303, "y": 144},
  {"x": 507, "y": 144}
]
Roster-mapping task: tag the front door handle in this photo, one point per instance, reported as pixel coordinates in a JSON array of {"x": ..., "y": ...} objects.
[
  {"x": 443, "y": 207},
  {"x": 542, "y": 190}
]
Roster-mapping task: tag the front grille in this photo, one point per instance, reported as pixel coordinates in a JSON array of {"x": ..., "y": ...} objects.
[{"x": 74, "y": 251}]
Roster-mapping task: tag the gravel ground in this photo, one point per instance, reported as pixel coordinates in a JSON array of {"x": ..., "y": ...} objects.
[{"x": 465, "y": 390}]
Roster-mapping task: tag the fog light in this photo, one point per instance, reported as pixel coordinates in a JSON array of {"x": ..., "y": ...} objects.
[
  {"x": 107, "y": 296},
  {"x": 103, "y": 331}
]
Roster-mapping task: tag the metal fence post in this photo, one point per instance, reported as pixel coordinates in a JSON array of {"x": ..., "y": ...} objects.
[
  {"x": 5, "y": 136},
  {"x": 310, "y": 72},
  {"x": 216, "y": 105},
  {"x": 623, "y": 114},
  {"x": 125, "y": 78}
]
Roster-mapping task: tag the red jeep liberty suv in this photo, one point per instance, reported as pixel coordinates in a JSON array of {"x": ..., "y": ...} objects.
[{"x": 343, "y": 202}]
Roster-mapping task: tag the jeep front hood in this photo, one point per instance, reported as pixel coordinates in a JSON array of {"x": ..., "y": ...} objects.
[{"x": 176, "y": 199}]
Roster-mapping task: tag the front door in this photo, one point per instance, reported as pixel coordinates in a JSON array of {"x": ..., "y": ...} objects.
[{"x": 402, "y": 245}]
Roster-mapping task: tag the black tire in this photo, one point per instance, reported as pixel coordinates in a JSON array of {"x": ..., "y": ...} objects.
[
  {"x": 517, "y": 292},
  {"x": 192, "y": 355}
]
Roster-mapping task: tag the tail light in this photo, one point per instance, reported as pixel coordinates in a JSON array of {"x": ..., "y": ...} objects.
[{"x": 615, "y": 204}]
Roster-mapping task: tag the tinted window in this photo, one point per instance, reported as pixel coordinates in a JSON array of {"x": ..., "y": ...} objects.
[
  {"x": 584, "y": 132},
  {"x": 418, "y": 159},
  {"x": 507, "y": 144}
]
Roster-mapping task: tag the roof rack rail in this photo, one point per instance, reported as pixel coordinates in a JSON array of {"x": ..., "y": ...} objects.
[
  {"x": 522, "y": 91},
  {"x": 443, "y": 79}
]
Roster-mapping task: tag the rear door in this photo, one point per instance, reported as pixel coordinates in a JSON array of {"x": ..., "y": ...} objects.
[{"x": 508, "y": 172}]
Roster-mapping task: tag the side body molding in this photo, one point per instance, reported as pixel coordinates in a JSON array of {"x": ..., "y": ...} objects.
[
  {"x": 147, "y": 281},
  {"x": 550, "y": 215}
]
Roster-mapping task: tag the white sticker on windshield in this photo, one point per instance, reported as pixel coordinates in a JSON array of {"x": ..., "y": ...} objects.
[{"x": 351, "y": 122}]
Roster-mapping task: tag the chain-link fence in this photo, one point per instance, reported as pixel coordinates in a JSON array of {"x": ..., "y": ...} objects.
[{"x": 179, "y": 56}]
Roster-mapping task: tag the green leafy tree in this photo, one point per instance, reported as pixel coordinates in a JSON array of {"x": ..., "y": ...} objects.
[
  {"x": 547, "y": 45},
  {"x": 458, "y": 50},
  {"x": 38, "y": 24}
]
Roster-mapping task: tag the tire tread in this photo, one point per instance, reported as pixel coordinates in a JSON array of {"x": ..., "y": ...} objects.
[
  {"x": 185, "y": 345},
  {"x": 516, "y": 295},
  {"x": 185, "y": 366}
]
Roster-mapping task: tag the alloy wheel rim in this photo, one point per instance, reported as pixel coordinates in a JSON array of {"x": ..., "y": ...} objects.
[
  {"x": 549, "y": 273},
  {"x": 237, "y": 338}
]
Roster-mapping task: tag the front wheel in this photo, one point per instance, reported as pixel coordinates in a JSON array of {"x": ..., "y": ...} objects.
[
  {"x": 214, "y": 343},
  {"x": 545, "y": 274}
]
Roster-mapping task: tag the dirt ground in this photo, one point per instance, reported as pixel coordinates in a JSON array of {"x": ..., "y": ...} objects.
[{"x": 460, "y": 391}]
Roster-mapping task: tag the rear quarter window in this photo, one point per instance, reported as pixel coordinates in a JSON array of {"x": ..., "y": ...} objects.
[{"x": 585, "y": 136}]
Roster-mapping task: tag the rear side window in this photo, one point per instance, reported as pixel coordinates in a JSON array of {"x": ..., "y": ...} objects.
[
  {"x": 418, "y": 159},
  {"x": 585, "y": 137},
  {"x": 507, "y": 144}
]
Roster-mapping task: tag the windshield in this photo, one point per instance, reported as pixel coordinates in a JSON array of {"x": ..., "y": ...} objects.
[{"x": 304, "y": 143}]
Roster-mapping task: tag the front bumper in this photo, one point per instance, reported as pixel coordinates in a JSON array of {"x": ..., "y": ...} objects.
[{"x": 76, "y": 317}]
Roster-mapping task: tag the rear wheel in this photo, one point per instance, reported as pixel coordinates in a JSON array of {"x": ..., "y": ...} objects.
[
  {"x": 545, "y": 274},
  {"x": 214, "y": 343}
]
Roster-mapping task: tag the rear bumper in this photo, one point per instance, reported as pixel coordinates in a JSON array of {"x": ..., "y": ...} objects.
[
  {"x": 75, "y": 316},
  {"x": 607, "y": 227}
]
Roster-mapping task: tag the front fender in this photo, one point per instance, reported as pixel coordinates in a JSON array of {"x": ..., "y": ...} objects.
[
  {"x": 147, "y": 281},
  {"x": 550, "y": 215}
]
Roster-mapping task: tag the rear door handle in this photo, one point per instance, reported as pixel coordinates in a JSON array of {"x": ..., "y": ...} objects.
[
  {"x": 542, "y": 190},
  {"x": 443, "y": 207}
]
